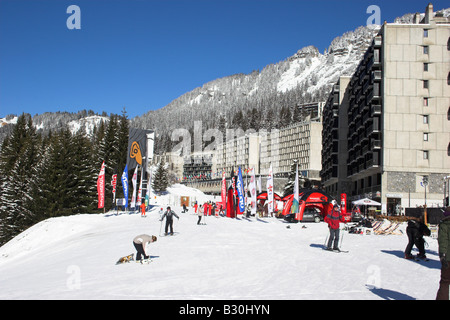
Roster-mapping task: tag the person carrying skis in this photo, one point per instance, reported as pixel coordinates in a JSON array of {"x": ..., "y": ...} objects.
[
  {"x": 333, "y": 219},
  {"x": 415, "y": 231},
  {"x": 444, "y": 256},
  {"x": 141, "y": 242},
  {"x": 169, "y": 219}
]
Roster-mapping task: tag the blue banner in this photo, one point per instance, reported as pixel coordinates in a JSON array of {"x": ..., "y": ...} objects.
[
  {"x": 125, "y": 184},
  {"x": 240, "y": 189}
]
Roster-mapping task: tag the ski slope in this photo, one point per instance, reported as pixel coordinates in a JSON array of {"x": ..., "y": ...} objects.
[{"x": 74, "y": 258}]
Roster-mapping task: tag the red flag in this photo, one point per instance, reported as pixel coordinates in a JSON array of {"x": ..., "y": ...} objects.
[
  {"x": 224, "y": 189},
  {"x": 101, "y": 187}
]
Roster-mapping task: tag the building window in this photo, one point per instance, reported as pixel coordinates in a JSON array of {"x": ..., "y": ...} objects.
[
  {"x": 425, "y": 67},
  {"x": 426, "y": 155},
  {"x": 425, "y": 33},
  {"x": 425, "y": 119},
  {"x": 426, "y": 84},
  {"x": 425, "y": 102},
  {"x": 426, "y": 49},
  {"x": 425, "y": 136}
]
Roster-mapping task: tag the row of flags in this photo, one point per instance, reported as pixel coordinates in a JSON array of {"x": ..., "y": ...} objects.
[
  {"x": 238, "y": 186},
  {"x": 240, "y": 190},
  {"x": 136, "y": 199}
]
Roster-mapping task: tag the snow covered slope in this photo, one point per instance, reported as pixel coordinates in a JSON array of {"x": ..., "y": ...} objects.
[{"x": 74, "y": 258}]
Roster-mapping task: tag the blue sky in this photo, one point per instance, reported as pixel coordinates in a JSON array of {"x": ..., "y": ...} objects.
[{"x": 142, "y": 54}]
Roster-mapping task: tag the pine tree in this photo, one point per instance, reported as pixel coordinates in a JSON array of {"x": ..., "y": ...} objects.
[
  {"x": 160, "y": 179},
  {"x": 18, "y": 159},
  {"x": 85, "y": 174}
]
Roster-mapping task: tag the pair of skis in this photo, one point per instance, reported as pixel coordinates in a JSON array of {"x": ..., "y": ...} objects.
[{"x": 339, "y": 250}]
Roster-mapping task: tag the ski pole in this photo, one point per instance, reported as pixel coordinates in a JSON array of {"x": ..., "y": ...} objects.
[
  {"x": 326, "y": 239},
  {"x": 342, "y": 239}
]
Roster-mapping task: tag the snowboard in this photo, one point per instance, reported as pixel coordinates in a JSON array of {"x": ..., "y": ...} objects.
[{"x": 126, "y": 259}]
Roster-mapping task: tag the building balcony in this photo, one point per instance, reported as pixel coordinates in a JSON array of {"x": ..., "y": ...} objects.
[
  {"x": 375, "y": 145},
  {"x": 377, "y": 42},
  {"x": 375, "y": 110}
]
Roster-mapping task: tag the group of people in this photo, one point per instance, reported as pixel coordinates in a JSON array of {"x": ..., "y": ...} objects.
[{"x": 415, "y": 231}]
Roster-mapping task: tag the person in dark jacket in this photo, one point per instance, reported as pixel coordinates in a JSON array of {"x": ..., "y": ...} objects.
[
  {"x": 444, "y": 256},
  {"x": 169, "y": 220},
  {"x": 415, "y": 231},
  {"x": 333, "y": 219}
]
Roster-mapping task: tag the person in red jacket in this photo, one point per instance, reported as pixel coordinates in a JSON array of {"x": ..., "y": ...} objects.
[{"x": 333, "y": 219}]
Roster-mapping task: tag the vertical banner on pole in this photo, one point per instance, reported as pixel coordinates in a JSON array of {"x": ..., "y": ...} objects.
[
  {"x": 270, "y": 204},
  {"x": 240, "y": 190},
  {"x": 101, "y": 187},
  {"x": 252, "y": 188},
  {"x": 134, "y": 181},
  {"x": 295, "y": 200},
  {"x": 139, "y": 196},
  {"x": 124, "y": 180},
  {"x": 224, "y": 191}
]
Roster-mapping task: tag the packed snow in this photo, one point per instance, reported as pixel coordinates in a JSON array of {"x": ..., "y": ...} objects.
[{"x": 253, "y": 259}]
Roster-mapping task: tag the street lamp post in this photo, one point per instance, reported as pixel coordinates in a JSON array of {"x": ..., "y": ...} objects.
[{"x": 425, "y": 184}]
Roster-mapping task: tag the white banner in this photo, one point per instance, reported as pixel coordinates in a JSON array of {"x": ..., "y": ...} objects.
[
  {"x": 134, "y": 181},
  {"x": 270, "y": 192},
  {"x": 252, "y": 187}
]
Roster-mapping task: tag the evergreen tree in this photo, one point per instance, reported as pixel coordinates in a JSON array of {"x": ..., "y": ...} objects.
[
  {"x": 160, "y": 179},
  {"x": 18, "y": 159},
  {"x": 296, "y": 116},
  {"x": 85, "y": 174}
]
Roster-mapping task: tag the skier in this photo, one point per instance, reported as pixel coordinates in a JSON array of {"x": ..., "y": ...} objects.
[
  {"x": 333, "y": 219},
  {"x": 444, "y": 255},
  {"x": 169, "y": 220},
  {"x": 415, "y": 231},
  {"x": 140, "y": 243}
]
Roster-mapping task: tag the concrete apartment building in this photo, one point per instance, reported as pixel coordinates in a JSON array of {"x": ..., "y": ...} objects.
[
  {"x": 238, "y": 152},
  {"x": 395, "y": 114},
  {"x": 277, "y": 147},
  {"x": 301, "y": 142}
]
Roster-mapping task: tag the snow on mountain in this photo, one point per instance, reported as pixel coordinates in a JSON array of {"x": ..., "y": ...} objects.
[
  {"x": 8, "y": 120},
  {"x": 87, "y": 124},
  {"x": 305, "y": 77},
  {"x": 229, "y": 259},
  {"x": 314, "y": 71}
]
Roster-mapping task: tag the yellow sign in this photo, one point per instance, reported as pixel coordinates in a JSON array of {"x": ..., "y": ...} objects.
[{"x": 135, "y": 152}]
